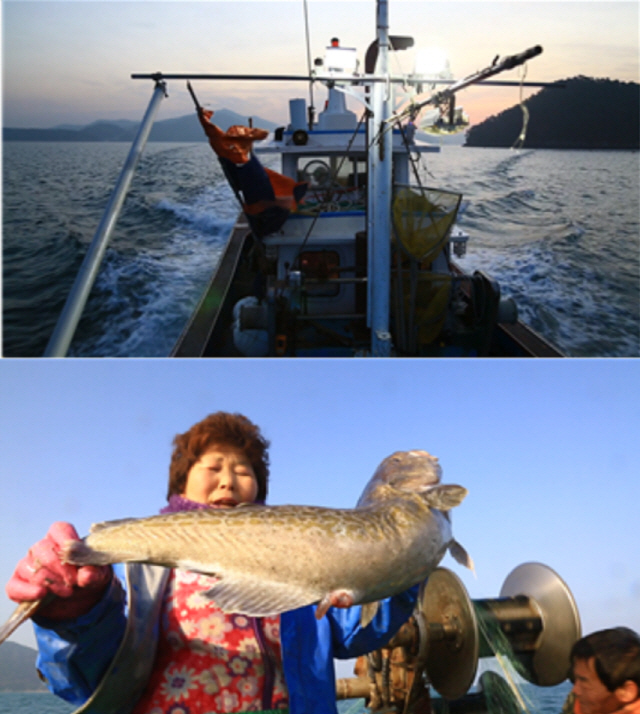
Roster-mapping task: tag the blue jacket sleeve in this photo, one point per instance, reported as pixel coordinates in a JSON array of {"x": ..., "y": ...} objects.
[
  {"x": 74, "y": 655},
  {"x": 310, "y": 645},
  {"x": 352, "y": 640}
]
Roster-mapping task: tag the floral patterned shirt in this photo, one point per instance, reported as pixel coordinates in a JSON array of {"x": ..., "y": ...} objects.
[{"x": 210, "y": 662}]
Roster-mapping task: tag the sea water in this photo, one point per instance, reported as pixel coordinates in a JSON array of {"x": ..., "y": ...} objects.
[
  {"x": 559, "y": 230},
  {"x": 32, "y": 703},
  {"x": 546, "y": 701}
]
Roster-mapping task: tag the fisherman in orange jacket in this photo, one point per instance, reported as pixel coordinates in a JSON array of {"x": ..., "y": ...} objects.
[{"x": 605, "y": 671}]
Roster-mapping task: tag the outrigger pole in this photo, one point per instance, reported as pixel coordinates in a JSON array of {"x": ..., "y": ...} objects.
[{"x": 72, "y": 311}]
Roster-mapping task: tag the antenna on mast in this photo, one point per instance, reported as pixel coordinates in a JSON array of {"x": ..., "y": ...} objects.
[{"x": 306, "y": 28}]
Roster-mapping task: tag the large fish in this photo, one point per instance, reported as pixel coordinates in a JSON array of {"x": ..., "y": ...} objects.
[{"x": 269, "y": 559}]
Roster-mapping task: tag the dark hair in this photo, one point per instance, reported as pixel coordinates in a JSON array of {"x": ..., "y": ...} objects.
[
  {"x": 219, "y": 429},
  {"x": 616, "y": 654}
]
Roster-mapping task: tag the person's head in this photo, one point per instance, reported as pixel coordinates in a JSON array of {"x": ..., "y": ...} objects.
[
  {"x": 605, "y": 670},
  {"x": 220, "y": 445}
]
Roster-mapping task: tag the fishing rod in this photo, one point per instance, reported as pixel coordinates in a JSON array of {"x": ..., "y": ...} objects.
[
  {"x": 193, "y": 96},
  {"x": 494, "y": 68}
]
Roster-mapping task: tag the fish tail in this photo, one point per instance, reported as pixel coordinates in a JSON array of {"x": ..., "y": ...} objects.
[
  {"x": 23, "y": 612},
  {"x": 77, "y": 552}
]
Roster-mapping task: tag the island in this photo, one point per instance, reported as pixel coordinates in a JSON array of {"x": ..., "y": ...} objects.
[
  {"x": 18, "y": 669},
  {"x": 576, "y": 113}
]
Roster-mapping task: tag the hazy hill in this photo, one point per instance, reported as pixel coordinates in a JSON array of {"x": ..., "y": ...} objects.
[
  {"x": 186, "y": 128},
  {"x": 18, "y": 669},
  {"x": 586, "y": 114}
]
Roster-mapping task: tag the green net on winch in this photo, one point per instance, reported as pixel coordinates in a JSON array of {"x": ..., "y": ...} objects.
[{"x": 503, "y": 693}]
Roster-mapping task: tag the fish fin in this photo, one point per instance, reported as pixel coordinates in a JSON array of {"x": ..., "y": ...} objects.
[
  {"x": 461, "y": 556},
  {"x": 323, "y": 607},
  {"x": 95, "y": 527},
  {"x": 445, "y": 497},
  {"x": 238, "y": 593},
  {"x": 203, "y": 514},
  {"x": 368, "y": 612}
]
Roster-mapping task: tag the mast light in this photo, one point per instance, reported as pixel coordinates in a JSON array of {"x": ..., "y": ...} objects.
[{"x": 340, "y": 61}]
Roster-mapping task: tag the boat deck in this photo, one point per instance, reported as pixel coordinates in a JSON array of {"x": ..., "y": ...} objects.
[{"x": 209, "y": 333}]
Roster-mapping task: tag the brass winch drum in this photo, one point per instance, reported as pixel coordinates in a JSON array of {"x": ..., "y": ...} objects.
[
  {"x": 535, "y": 611},
  {"x": 447, "y": 621}
]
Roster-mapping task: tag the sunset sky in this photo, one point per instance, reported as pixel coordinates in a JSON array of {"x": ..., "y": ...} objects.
[{"x": 70, "y": 62}]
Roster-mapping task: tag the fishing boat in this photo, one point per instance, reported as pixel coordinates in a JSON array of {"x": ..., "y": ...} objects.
[{"x": 344, "y": 251}]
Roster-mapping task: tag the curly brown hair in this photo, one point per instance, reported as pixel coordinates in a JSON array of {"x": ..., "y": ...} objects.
[{"x": 219, "y": 429}]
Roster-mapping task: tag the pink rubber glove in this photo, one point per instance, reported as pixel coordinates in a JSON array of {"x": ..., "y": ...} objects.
[{"x": 42, "y": 572}]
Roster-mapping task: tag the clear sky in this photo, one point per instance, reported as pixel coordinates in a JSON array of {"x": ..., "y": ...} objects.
[
  {"x": 70, "y": 62},
  {"x": 549, "y": 451}
]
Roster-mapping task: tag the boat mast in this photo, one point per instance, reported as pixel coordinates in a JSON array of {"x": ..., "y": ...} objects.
[{"x": 379, "y": 195}]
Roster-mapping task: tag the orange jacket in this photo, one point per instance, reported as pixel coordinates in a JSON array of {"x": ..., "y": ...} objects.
[
  {"x": 633, "y": 708},
  {"x": 234, "y": 144}
]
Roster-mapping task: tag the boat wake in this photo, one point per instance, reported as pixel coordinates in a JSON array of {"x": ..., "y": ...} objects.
[
  {"x": 143, "y": 297},
  {"x": 534, "y": 229}
]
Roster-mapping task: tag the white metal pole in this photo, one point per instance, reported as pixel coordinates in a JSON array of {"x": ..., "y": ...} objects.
[
  {"x": 72, "y": 311},
  {"x": 379, "y": 223}
]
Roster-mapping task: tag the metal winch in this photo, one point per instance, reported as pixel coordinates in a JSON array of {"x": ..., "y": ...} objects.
[{"x": 440, "y": 646}]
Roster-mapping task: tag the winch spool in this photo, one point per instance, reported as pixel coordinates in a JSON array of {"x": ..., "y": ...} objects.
[
  {"x": 451, "y": 629},
  {"x": 535, "y": 611},
  {"x": 546, "y": 661},
  {"x": 441, "y": 644}
]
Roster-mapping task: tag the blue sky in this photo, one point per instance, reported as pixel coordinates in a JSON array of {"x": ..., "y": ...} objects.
[
  {"x": 549, "y": 451},
  {"x": 71, "y": 61}
]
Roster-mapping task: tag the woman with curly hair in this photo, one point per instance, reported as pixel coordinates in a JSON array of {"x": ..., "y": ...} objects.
[{"x": 143, "y": 639}]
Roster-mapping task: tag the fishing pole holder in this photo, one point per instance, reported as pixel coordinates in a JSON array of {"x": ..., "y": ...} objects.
[{"x": 534, "y": 620}]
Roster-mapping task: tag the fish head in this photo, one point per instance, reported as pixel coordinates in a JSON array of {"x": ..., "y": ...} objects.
[{"x": 414, "y": 471}]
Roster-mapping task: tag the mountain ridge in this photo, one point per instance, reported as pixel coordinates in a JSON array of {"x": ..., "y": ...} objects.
[
  {"x": 576, "y": 113},
  {"x": 181, "y": 129},
  {"x": 18, "y": 669}
]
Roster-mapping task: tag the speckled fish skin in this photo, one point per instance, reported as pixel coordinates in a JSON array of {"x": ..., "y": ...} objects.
[{"x": 270, "y": 559}]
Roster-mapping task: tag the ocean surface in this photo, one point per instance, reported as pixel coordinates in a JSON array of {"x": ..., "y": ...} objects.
[
  {"x": 542, "y": 701},
  {"x": 559, "y": 230}
]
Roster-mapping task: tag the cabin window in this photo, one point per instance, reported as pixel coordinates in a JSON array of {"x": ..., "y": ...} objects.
[
  {"x": 320, "y": 265},
  {"x": 335, "y": 184}
]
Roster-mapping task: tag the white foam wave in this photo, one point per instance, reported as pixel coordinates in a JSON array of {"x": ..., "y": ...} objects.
[
  {"x": 198, "y": 215},
  {"x": 146, "y": 297}
]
